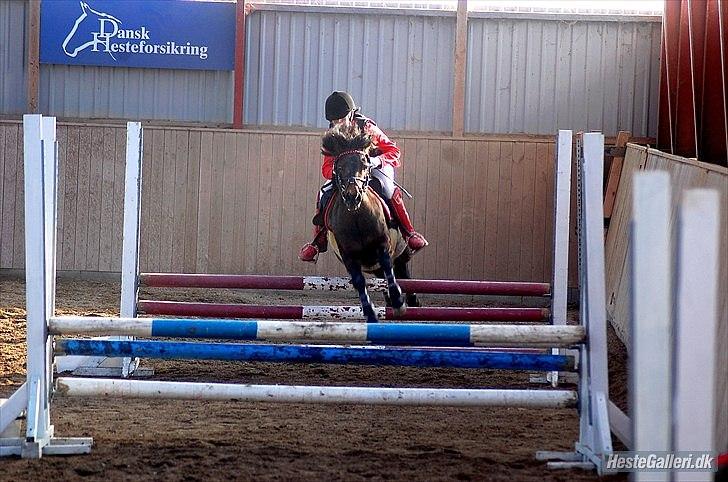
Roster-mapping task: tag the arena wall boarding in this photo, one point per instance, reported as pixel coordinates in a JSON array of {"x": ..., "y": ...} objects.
[{"x": 224, "y": 201}]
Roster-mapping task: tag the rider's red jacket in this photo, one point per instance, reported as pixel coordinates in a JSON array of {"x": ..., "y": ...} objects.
[{"x": 388, "y": 150}]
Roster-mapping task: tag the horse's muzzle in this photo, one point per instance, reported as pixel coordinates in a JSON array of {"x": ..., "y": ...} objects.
[{"x": 352, "y": 201}]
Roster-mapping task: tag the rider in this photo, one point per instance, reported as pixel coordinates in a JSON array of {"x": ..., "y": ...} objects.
[{"x": 340, "y": 108}]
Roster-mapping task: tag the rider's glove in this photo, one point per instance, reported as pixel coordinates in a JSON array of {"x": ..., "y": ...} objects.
[{"x": 376, "y": 162}]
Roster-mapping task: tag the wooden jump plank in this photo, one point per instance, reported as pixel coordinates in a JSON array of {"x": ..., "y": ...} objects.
[
  {"x": 615, "y": 172},
  {"x": 192, "y": 201}
]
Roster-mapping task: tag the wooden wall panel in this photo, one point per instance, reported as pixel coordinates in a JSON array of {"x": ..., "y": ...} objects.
[
  {"x": 8, "y": 246},
  {"x": 106, "y": 226},
  {"x": 61, "y": 133},
  {"x": 118, "y": 198},
  {"x": 487, "y": 176},
  {"x": 2, "y": 187},
  {"x": 96, "y": 165},
  {"x": 82, "y": 207},
  {"x": 17, "y": 224},
  {"x": 204, "y": 194},
  {"x": 217, "y": 200}
]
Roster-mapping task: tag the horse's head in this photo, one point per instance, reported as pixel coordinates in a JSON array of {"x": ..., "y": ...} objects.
[{"x": 350, "y": 146}]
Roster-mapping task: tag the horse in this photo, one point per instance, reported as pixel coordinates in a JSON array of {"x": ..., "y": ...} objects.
[{"x": 358, "y": 229}]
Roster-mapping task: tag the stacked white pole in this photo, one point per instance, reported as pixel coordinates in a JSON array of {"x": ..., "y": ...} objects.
[{"x": 106, "y": 388}]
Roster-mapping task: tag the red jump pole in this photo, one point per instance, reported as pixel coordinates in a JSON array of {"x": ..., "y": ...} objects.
[
  {"x": 240, "y": 281},
  {"x": 442, "y": 287}
]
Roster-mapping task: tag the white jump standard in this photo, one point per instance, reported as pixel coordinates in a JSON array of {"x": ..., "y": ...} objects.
[{"x": 35, "y": 396}]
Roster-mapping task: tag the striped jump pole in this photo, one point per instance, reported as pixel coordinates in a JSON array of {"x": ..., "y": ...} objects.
[
  {"x": 358, "y": 355},
  {"x": 318, "y": 283},
  {"x": 459, "y": 397},
  {"x": 455, "y": 335},
  {"x": 282, "y": 312}
]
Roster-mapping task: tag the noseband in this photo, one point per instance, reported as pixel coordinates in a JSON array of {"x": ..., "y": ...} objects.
[{"x": 361, "y": 183}]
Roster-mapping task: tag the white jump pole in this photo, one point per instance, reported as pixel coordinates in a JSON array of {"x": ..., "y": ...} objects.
[{"x": 105, "y": 388}]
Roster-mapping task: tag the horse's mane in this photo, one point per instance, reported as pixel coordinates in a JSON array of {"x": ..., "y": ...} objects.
[{"x": 344, "y": 137}]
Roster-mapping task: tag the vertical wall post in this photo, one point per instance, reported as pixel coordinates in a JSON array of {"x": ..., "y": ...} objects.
[
  {"x": 239, "y": 79},
  {"x": 33, "y": 56},
  {"x": 651, "y": 372},
  {"x": 461, "y": 54}
]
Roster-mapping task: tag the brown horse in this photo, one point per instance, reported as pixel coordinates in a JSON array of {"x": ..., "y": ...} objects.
[{"x": 359, "y": 231}]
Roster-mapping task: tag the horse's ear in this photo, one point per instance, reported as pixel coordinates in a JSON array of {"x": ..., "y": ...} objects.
[
  {"x": 362, "y": 141},
  {"x": 84, "y": 7},
  {"x": 329, "y": 144}
]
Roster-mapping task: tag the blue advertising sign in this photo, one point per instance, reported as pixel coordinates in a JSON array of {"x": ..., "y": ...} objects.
[{"x": 173, "y": 34}]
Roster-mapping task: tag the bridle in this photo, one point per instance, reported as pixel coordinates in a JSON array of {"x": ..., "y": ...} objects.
[{"x": 361, "y": 183}]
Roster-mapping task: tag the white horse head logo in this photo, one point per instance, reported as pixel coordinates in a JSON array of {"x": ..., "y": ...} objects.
[{"x": 108, "y": 27}]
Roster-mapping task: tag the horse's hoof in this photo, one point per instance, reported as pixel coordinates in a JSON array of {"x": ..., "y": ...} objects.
[{"x": 400, "y": 311}]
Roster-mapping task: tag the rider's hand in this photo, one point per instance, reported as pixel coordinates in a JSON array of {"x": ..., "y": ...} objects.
[{"x": 375, "y": 162}]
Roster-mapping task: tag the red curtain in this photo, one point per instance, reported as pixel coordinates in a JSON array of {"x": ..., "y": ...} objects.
[{"x": 693, "y": 109}]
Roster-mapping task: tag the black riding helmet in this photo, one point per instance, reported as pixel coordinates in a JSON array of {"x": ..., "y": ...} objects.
[{"x": 338, "y": 105}]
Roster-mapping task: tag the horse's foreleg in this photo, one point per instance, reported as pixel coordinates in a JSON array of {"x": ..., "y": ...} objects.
[
  {"x": 402, "y": 271},
  {"x": 379, "y": 273},
  {"x": 395, "y": 292},
  {"x": 359, "y": 282}
]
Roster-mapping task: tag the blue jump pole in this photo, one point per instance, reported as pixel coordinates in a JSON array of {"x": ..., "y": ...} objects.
[
  {"x": 316, "y": 354},
  {"x": 418, "y": 334},
  {"x": 389, "y": 334}
]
